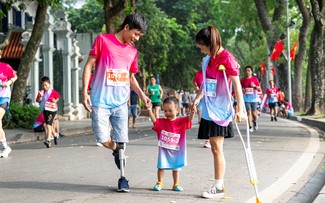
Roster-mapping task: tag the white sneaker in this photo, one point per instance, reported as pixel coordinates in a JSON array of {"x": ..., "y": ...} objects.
[
  {"x": 99, "y": 144},
  {"x": 251, "y": 129},
  {"x": 213, "y": 193},
  {"x": 6, "y": 152},
  {"x": 207, "y": 144}
]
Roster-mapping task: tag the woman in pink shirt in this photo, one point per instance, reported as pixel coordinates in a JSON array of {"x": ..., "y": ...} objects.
[{"x": 217, "y": 110}]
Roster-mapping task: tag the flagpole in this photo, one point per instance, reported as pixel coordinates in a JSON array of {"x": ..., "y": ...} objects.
[{"x": 288, "y": 54}]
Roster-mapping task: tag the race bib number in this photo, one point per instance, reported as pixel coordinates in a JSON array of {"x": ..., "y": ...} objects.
[
  {"x": 249, "y": 90},
  {"x": 169, "y": 140},
  {"x": 211, "y": 87},
  {"x": 273, "y": 95},
  {"x": 117, "y": 77},
  {"x": 51, "y": 106}
]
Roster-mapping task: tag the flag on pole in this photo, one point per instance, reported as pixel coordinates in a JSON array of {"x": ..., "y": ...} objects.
[
  {"x": 293, "y": 51},
  {"x": 278, "y": 48},
  {"x": 262, "y": 68}
]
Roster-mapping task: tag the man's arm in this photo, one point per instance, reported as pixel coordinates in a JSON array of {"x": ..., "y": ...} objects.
[
  {"x": 85, "y": 82},
  {"x": 135, "y": 86}
]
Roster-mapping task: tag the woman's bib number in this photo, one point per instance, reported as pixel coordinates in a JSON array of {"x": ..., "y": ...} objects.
[{"x": 51, "y": 106}]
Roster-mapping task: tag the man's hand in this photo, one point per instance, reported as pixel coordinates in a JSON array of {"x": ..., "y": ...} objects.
[{"x": 86, "y": 102}]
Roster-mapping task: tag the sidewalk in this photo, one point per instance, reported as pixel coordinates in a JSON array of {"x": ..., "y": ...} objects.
[
  {"x": 316, "y": 183},
  {"x": 314, "y": 188}
]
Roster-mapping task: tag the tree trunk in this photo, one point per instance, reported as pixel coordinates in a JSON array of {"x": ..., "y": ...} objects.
[
  {"x": 317, "y": 59},
  {"x": 112, "y": 10},
  {"x": 27, "y": 60},
  {"x": 297, "y": 96},
  {"x": 269, "y": 27},
  {"x": 308, "y": 94}
]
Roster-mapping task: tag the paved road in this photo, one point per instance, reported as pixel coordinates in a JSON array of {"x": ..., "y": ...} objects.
[{"x": 286, "y": 154}]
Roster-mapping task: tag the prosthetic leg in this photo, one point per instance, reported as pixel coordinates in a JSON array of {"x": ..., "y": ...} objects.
[{"x": 120, "y": 161}]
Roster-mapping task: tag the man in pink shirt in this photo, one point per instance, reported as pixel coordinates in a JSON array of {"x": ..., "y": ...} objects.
[
  {"x": 116, "y": 61},
  {"x": 251, "y": 86}
]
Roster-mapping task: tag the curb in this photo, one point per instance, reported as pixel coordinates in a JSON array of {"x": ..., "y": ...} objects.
[{"x": 312, "y": 191}]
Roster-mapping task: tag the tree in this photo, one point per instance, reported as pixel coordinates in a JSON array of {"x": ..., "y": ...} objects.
[
  {"x": 298, "y": 62},
  {"x": 93, "y": 9},
  {"x": 33, "y": 44},
  {"x": 317, "y": 58},
  {"x": 113, "y": 12}
]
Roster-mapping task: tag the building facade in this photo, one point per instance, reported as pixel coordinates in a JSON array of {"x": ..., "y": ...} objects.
[{"x": 58, "y": 56}]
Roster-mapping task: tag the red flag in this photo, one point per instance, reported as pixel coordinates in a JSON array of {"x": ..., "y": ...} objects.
[
  {"x": 278, "y": 48},
  {"x": 293, "y": 51},
  {"x": 273, "y": 71},
  {"x": 262, "y": 68}
]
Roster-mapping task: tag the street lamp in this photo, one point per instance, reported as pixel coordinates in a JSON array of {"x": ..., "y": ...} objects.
[{"x": 288, "y": 53}]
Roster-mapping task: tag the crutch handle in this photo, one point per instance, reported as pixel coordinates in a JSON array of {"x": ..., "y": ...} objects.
[{"x": 222, "y": 67}]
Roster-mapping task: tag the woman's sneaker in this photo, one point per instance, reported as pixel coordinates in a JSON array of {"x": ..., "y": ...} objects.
[
  {"x": 207, "y": 144},
  {"x": 213, "y": 193},
  {"x": 5, "y": 152},
  {"x": 159, "y": 186}
]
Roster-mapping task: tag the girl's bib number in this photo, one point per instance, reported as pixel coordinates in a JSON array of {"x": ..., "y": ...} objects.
[{"x": 169, "y": 140}]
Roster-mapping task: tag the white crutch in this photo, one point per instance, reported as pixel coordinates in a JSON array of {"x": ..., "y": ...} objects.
[{"x": 247, "y": 149}]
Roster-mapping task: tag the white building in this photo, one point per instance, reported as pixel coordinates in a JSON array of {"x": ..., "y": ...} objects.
[{"x": 58, "y": 56}]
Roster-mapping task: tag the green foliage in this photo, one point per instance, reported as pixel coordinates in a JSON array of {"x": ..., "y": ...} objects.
[
  {"x": 89, "y": 18},
  {"x": 23, "y": 116}
]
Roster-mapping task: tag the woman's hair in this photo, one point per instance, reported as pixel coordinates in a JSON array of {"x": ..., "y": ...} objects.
[
  {"x": 209, "y": 37},
  {"x": 135, "y": 21}
]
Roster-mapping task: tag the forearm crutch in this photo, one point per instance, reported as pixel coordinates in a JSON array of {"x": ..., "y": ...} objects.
[{"x": 247, "y": 147}]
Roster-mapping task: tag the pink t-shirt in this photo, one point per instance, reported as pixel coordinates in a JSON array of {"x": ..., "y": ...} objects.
[
  {"x": 198, "y": 78},
  {"x": 172, "y": 142},
  {"x": 114, "y": 63},
  {"x": 6, "y": 72},
  {"x": 272, "y": 94},
  {"x": 48, "y": 96},
  {"x": 39, "y": 120},
  {"x": 216, "y": 101},
  {"x": 250, "y": 93}
]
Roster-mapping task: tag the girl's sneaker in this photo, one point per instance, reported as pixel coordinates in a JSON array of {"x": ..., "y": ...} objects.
[
  {"x": 178, "y": 188},
  {"x": 213, "y": 193},
  {"x": 159, "y": 186}
]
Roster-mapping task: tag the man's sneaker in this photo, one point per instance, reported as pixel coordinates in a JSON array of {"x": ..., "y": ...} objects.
[
  {"x": 255, "y": 126},
  {"x": 251, "y": 129},
  {"x": 47, "y": 143},
  {"x": 159, "y": 186},
  {"x": 271, "y": 118},
  {"x": 275, "y": 119},
  {"x": 213, "y": 193},
  {"x": 123, "y": 185},
  {"x": 6, "y": 152},
  {"x": 207, "y": 144},
  {"x": 56, "y": 137}
]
